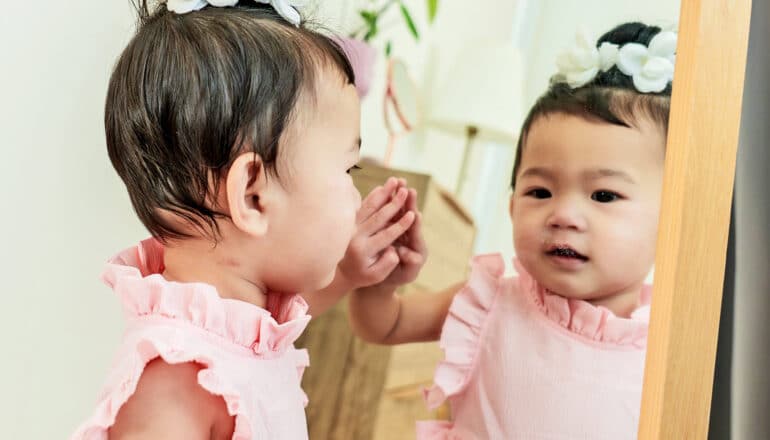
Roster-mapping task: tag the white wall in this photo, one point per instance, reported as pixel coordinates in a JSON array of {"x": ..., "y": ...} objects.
[
  {"x": 64, "y": 210},
  {"x": 560, "y": 19}
]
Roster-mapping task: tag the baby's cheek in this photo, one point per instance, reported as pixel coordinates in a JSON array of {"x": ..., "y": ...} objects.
[
  {"x": 356, "y": 200},
  {"x": 627, "y": 243},
  {"x": 525, "y": 236},
  {"x": 348, "y": 218},
  {"x": 525, "y": 247}
]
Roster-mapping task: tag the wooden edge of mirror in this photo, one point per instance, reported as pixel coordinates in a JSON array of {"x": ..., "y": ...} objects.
[{"x": 694, "y": 220}]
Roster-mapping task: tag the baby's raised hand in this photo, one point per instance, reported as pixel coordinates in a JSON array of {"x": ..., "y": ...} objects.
[
  {"x": 378, "y": 314},
  {"x": 382, "y": 221},
  {"x": 410, "y": 247}
]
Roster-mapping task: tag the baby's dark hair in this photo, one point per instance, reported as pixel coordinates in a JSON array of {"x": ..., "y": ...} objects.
[
  {"x": 610, "y": 97},
  {"x": 191, "y": 92}
]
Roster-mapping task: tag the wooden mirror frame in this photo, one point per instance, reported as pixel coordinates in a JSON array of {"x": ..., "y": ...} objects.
[{"x": 695, "y": 216}]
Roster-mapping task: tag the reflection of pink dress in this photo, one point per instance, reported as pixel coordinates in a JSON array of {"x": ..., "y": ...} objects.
[
  {"x": 521, "y": 363},
  {"x": 248, "y": 355}
]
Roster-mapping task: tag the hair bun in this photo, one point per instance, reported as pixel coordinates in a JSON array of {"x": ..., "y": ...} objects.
[{"x": 632, "y": 32}]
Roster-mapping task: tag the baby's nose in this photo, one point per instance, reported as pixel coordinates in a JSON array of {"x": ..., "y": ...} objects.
[{"x": 567, "y": 215}]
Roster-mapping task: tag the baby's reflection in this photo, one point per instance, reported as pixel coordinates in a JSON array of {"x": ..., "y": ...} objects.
[{"x": 557, "y": 351}]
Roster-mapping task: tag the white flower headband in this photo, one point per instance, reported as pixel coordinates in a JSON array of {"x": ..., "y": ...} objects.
[
  {"x": 651, "y": 67},
  {"x": 288, "y": 9}
]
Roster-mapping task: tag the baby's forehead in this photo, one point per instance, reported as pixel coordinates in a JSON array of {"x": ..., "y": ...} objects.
[
  {"x": 567, "y": 132},
  {"x": 570, "y": 144},
  {"x": 328, "y": 109},
  {"x": 323, "y": 90}
]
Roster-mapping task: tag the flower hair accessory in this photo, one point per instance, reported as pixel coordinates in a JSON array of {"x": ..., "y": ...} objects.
[
  {"x": 650, "y": 67},
  {"x": 288, "y": 9}
]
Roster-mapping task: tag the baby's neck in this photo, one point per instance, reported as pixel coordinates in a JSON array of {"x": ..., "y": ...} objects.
[
  {"x": 199, "y": 261},
  {"x": 623, "y": 303}
]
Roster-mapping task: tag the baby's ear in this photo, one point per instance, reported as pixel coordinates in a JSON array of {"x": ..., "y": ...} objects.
[
  {"x": 246, "y": 185},
  {"x": 510, "y": 206}
]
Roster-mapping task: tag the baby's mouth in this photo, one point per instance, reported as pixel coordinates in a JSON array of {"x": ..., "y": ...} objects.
[{"x": 565, "y": 252}]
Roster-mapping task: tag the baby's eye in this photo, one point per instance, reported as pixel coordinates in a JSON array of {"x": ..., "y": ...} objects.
[
  {"x": 539, "y": 193},
  {"x": 605, "y": 196},
  {"x": 355, "y": 167}
]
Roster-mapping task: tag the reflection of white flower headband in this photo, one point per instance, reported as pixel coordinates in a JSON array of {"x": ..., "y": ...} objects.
[
  {"x": 651, "y": 67},
  {"x": 287, "y": 9}
]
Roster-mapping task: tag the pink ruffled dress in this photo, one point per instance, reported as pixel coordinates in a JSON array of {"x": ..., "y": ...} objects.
[
  {"x": 521, "y": 363},
  {"x": 247, "y": 352}
]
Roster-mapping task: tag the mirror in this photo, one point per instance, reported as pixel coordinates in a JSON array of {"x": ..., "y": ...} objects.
[
  {"x": 404, "y": 94},
  {"x": 401, "y": 108},
  {"x": 541, "y": 30}
]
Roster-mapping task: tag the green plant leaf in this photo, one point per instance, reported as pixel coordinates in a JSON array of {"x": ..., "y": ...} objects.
[
  {"x": 388, "y": 48},
  {"x": 370, "y": 17},
  {"x": 409, "y": 22},
  {"x": 432, "y": 9},
  {"x": 371, "y": 32},
  {"x": 370, "y": 25}
]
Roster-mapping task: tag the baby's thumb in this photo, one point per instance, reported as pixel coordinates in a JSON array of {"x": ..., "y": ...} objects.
[
  {"x": 409, "y": 256},
  {"x": 384, "y": 265}
]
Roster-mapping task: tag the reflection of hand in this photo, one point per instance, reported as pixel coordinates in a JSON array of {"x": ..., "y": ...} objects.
[
  {"x": 410, "y": 247},
  {"x": 382, "y": 220}
]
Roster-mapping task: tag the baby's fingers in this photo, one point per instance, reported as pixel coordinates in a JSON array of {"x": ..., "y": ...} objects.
[
  {"x": 384, "y": 265},
  {"x": 411, "y": 200},
  {"x": 387, "y": 236},
  {"x": 384, "y": 215},
  {"x": 376, "y": 199},
  {"x": 410, "y": 257},
  {"x": 414, "y": 238}
]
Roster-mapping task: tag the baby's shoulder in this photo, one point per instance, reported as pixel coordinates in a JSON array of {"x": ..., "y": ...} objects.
[
  {"x": 489, "y": 276},
  {"x": 170, "y": 403}
]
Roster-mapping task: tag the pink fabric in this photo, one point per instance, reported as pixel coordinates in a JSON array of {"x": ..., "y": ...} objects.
[
  {"x": 362, "y": 57},
  {"x": 522, "y": 363},
  {"x": 247, "y": 352}
]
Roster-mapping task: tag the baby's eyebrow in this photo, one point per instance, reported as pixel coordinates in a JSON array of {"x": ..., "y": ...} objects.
[
  {"x": 588, "y": 175},
  {"x": 537, "y": 172},
  {"x": 607, "y": 172}
]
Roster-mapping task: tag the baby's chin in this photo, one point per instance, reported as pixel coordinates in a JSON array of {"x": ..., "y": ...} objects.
[
  {"x": 571, "y": 287},
  {"x": 309, "y": 280},
  {"x": 325, "y": 282},
  {"x": 583, "y": 290},
  {"x": 571, "y": 292}
]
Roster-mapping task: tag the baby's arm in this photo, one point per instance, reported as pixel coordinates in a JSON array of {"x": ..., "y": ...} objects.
[
  {"x": 381, "y": 316},
  {"x": 170, "y": 404},
  {"x": 370, "y": 256}
]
